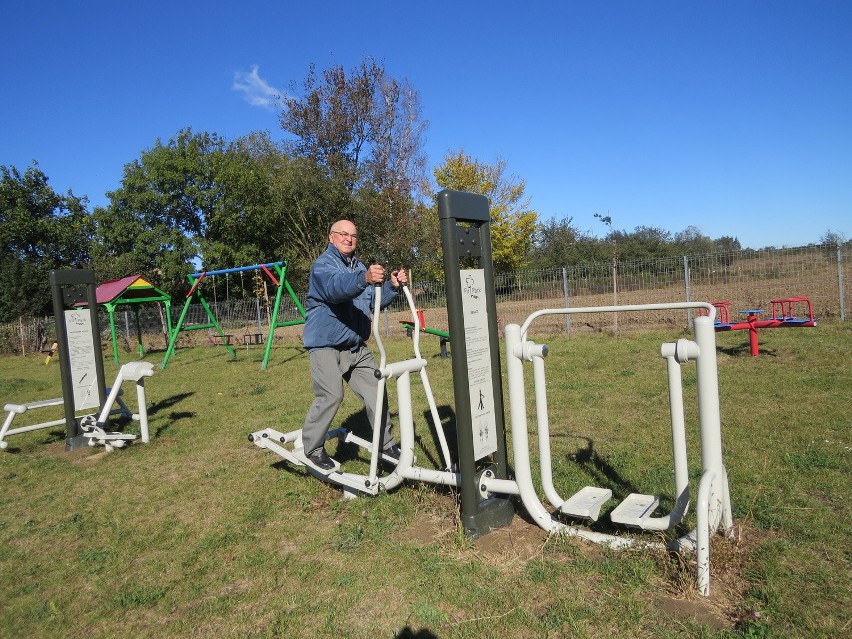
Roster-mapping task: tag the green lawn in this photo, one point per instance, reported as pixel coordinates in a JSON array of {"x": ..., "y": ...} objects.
[{"x": 202, "y": 534}]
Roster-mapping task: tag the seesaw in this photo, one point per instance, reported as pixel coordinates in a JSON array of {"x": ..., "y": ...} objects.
[{"x": 782, "y": 317}]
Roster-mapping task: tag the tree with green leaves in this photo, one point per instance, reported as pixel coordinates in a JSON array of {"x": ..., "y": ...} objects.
[
  {"x": 513, "y": 223},
  {"x": 156, "y": 218},
  {"x": 40, "y": 231},
  {"x": 558, "y": 243},
  {"x": 363, "y": 128}
]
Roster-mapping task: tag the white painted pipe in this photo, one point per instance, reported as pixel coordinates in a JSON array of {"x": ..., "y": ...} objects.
[
  {"x": 709, "y": 414},
  {"x": 142, "y": 416},
  {"x": 702, "y": 530},
  {"x": 26, "y": 429},
  {"x": 711, "y": 311},
  {"x": 520, "y": 451},
  {"x": 396, "y": 369},
  {"x": 681, "y": 469},
  {"x": 378, "y": 411},
  {"x": 441, "y": 477},
  {"x": 499, "y": 486},
  {"x": 427, "y": 387}
]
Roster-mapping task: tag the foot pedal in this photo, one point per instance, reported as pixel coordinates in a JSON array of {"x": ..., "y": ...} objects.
[
  {"x": 300, "y": 455},
  {"x": 634, "y": 510},
  {"x": 586, "y": 503}
]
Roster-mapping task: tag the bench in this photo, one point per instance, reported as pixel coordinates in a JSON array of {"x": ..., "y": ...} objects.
[
  {"x": 442, "y": 336},
  {"x": 252, "y": 338}
]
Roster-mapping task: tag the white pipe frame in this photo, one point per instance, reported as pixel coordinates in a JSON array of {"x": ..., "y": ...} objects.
[
  {"x": 424, "y": 378},
  {"x": 132, "y": 371},
  {"x": 713, "y": 506},
  {"x": 372, "y": 483}
]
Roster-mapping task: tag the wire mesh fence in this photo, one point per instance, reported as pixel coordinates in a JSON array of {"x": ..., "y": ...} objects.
[{"x": 747, "y": 279}]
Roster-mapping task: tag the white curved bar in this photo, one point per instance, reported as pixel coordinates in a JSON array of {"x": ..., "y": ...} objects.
[
  {"x": 543, "y": 423},
  {"x": 380, "y": 390},
  {"x": 520, "y": 451},
  {"x": 711, "y": 310},
  {"x": 424, "y": 378}
]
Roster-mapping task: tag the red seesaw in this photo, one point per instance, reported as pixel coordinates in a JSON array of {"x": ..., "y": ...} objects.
[{"x": 782, "y": 317}]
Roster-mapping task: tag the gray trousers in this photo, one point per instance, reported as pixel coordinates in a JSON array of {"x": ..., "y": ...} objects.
[{"x": 329, "y": 369}]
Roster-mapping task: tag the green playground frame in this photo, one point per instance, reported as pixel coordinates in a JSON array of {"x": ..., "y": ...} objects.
[{"x": 275, "y": 271}]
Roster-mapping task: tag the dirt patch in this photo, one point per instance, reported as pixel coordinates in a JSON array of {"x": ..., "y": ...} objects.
[
  {"x": 82, "y": 456},
  {"x": 513, "y": 547},
  {"x": 518, "y": 542},
  {"x": 702, "y": 611}
]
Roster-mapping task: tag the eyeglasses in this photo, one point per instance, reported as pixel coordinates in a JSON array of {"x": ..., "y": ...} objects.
[{"x": 344, "y": 235}]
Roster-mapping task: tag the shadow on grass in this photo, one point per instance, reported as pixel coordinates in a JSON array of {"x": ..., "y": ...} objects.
[
  {"x": 408, "y": 633},
  {"x": 744, "y": 350},
  {"x": 172, "y": 417}
]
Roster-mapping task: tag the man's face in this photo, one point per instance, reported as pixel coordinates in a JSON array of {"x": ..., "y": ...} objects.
[{"x": 344, "y": 237}]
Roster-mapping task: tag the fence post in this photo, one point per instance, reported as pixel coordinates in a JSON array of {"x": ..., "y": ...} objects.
[
  {"x": 567, "y": 301},
  {"x": 21, "y": 329},
  {"x": 840, "y": 286},
  {"x": 688, "y": 286}
]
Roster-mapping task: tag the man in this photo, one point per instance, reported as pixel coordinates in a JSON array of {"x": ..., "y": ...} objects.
[{"x": 339, "y": 306}]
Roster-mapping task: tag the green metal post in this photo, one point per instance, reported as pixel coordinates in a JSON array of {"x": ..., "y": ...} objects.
[{"x": 466, "y": 236}]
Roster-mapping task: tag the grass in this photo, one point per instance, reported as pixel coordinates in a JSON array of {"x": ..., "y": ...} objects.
[{"x": 203, "y": 534}]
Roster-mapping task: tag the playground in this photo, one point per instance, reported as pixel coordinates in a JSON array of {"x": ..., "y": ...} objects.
[
  {"x": 200, "y": 533},
  {"x": 628, "y": 454}
]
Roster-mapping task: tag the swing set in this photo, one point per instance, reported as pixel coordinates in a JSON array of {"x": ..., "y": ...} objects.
[{"x": 277, "y": 274}]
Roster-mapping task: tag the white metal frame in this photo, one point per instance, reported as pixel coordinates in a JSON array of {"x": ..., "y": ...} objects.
[
  {"x": 289, "y": 445},
  {"x": 713, "y": 509},
  {"x": 92, "y": 428}
]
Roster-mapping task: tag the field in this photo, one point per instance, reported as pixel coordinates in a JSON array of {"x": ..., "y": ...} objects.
[{"x": 202, "y": 534}]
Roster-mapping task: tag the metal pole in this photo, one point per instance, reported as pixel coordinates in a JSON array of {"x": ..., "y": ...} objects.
[
  {"x": 840, "y": 287},
  {"x": 687, "y": 285},
  {"x": 567, "y": 304},
  {"x": 466, "y": 237}
]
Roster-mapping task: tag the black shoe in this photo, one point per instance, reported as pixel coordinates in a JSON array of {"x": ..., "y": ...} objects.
[
  {"x": 394, "y": 452},
  {"x": 320, "y": 459}
]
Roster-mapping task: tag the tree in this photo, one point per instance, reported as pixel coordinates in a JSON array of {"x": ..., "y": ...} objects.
[
  {"x": 833, "y": 238},
  {"x": 513, "y": 224},
  {"x": 155, "y": 219},
  {"x": 40, "y": 231},
  {"x": 726, "y": 244},
  {"x": 692, "y": 241},
  {"x": 559, "y": 243},
  {"x": 363, "y": 128}
]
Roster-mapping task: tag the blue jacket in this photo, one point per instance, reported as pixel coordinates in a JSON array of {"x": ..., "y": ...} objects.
[{"x": 340, "y": 302}]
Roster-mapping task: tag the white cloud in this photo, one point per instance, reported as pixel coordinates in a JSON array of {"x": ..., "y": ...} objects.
[{"x": 256, "y": 91}]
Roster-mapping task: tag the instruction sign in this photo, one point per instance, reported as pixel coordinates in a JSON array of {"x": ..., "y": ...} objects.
[
  {"x": 478, "y": 345},
  {"x": 81, "y": 353}
]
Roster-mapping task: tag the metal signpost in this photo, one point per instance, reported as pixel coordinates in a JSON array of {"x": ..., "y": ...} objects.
[
  {"x": 472, "y": 312},
  {"x": 80, "y": 358}
]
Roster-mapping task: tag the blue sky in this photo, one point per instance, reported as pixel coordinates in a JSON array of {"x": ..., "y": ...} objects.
[{"x": 732, "y": 116}]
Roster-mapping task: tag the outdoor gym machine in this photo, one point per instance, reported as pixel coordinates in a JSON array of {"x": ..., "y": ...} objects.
[
  {"x": 486, "y": 489},
  {"x": 82, "y": 372},
  {"x": 289, "y": 445},
  {"x": 713, "y": 508}
]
